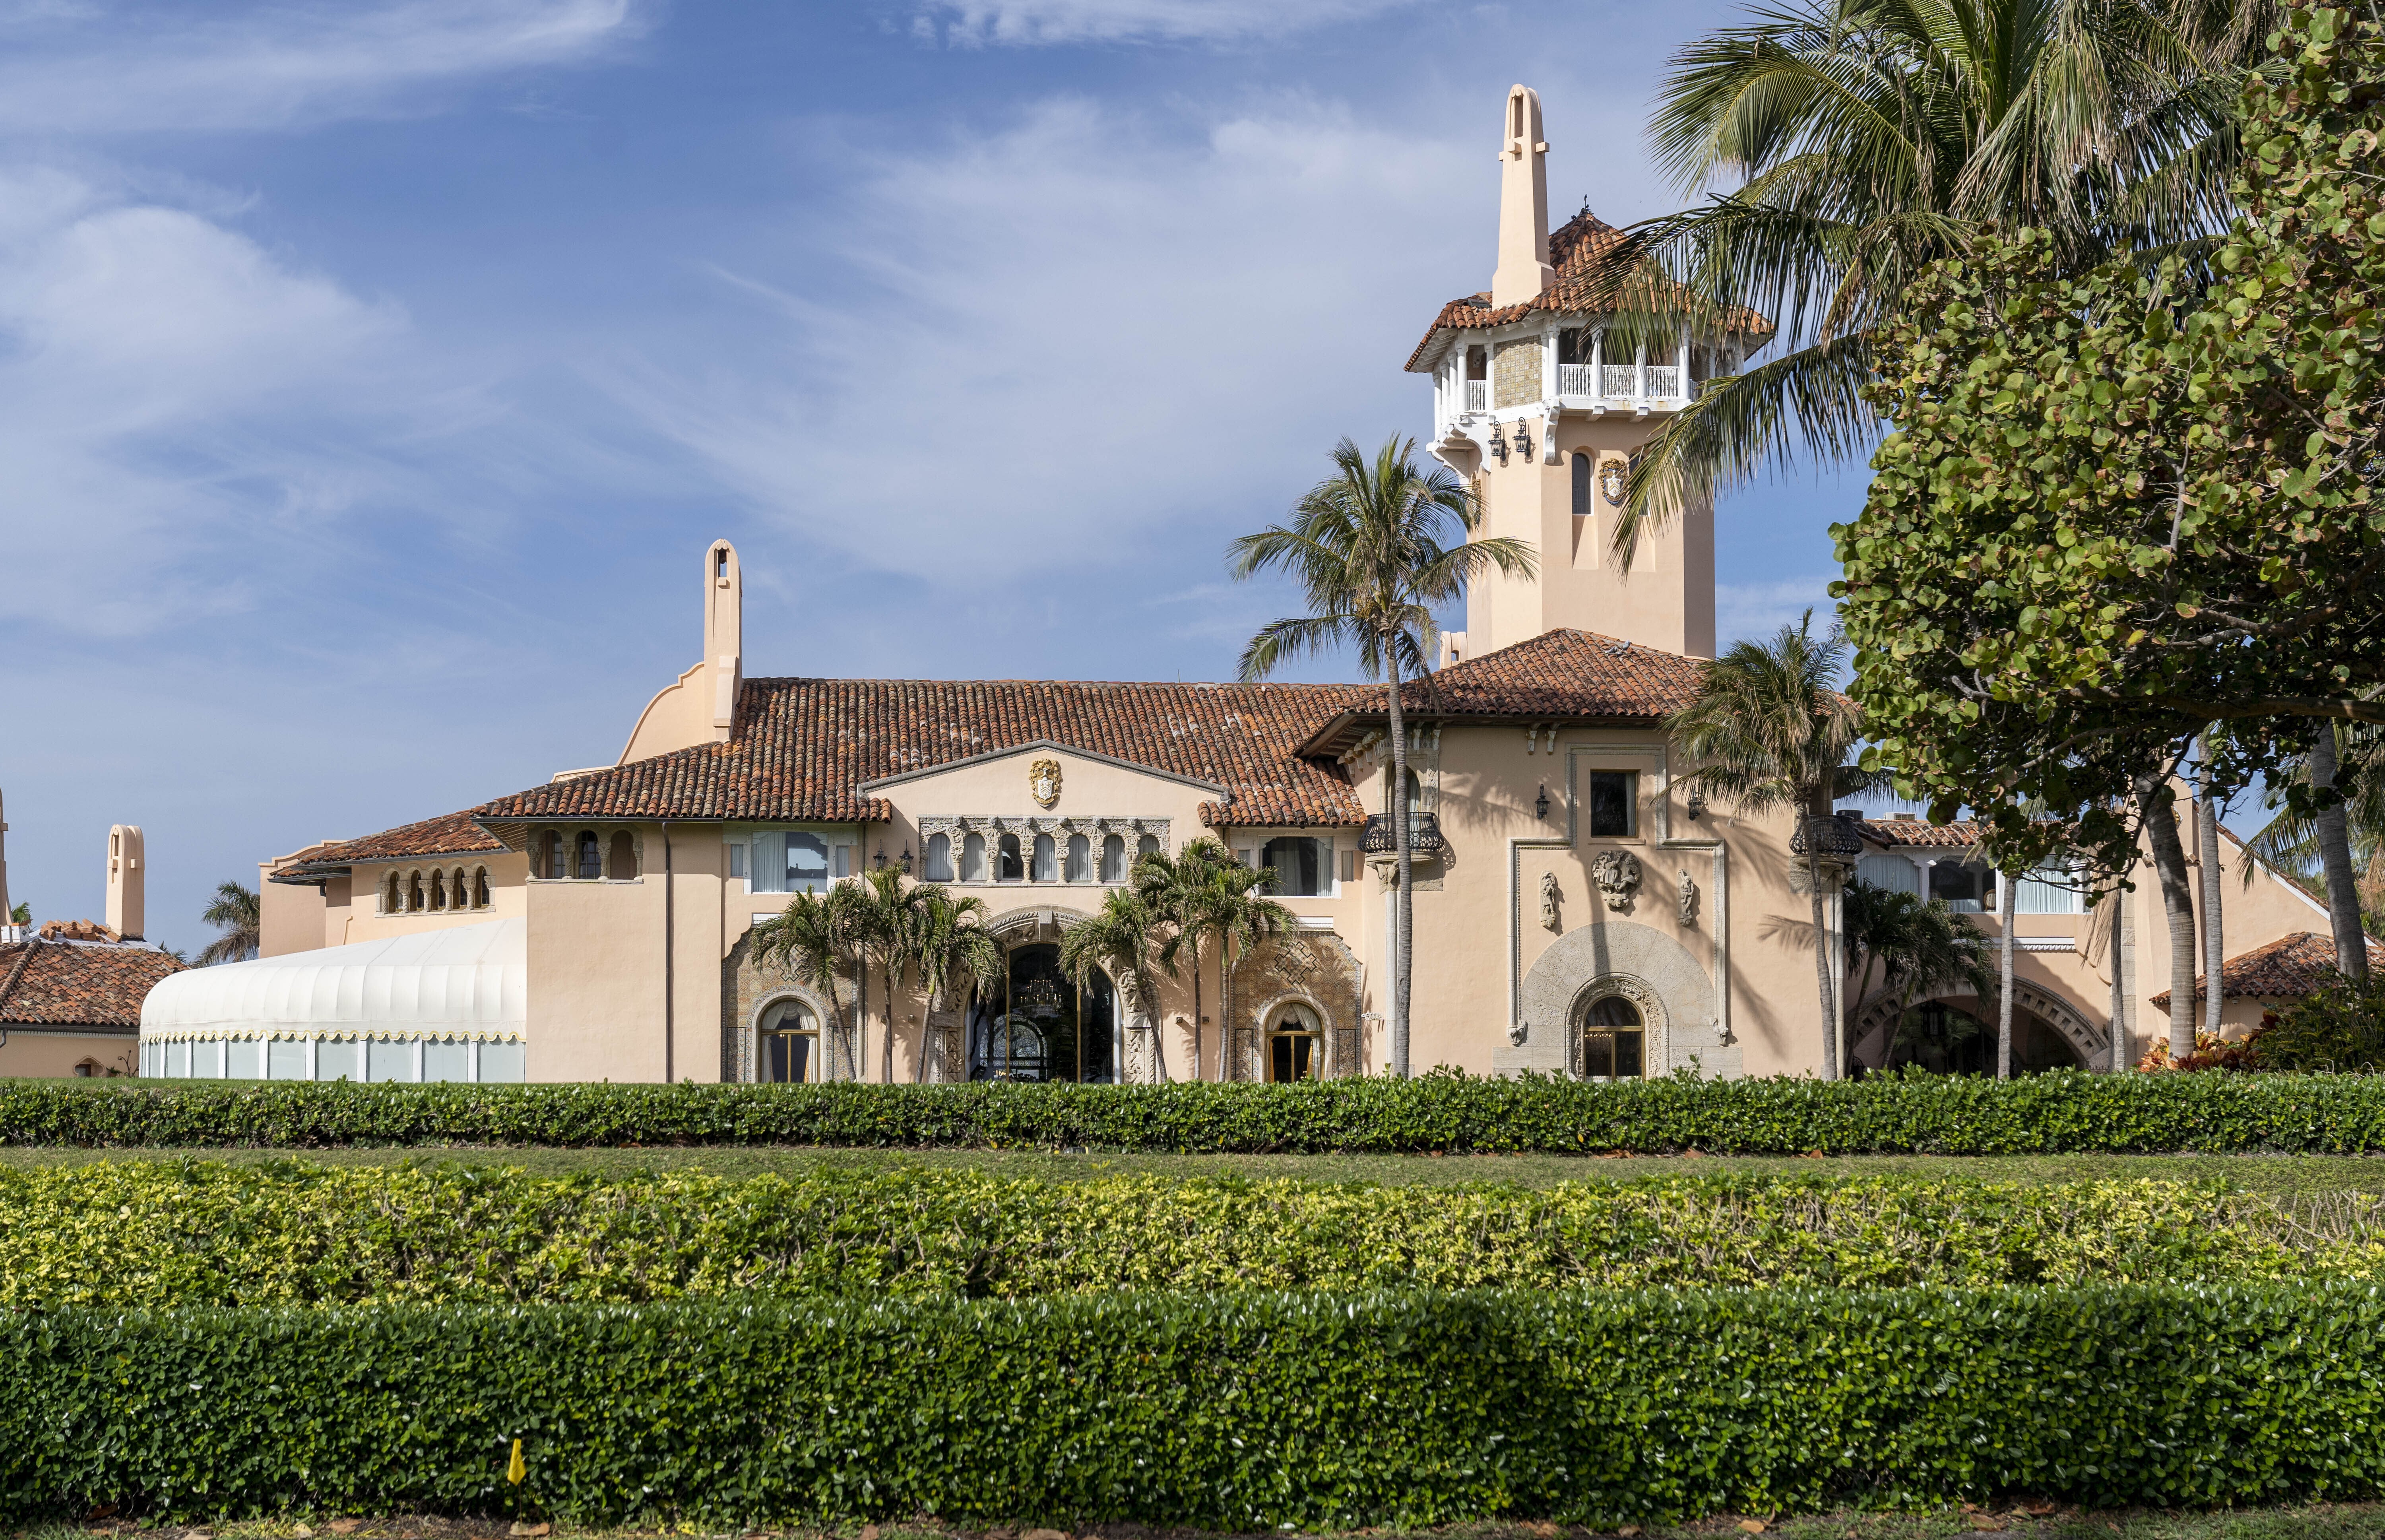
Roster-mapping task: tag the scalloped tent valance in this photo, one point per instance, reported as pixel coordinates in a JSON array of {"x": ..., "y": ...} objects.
[{"x": 465, "y": 978}]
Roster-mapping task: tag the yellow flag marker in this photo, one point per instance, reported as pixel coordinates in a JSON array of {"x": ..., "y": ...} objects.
[{"x": 515, "y": 1468}]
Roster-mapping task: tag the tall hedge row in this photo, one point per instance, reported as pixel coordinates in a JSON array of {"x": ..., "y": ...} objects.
[
  {"x": 1956, "y": 1115},
  {"x": 201, "y": 1232},
  {"x": 1230, "y": 1411}
]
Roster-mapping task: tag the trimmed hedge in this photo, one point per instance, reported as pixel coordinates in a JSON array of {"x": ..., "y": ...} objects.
[
  {"x": 200, "y": 1233},
  {"x": 1953, "y": 1115},
  {"x": 1234, "y": 1411}
]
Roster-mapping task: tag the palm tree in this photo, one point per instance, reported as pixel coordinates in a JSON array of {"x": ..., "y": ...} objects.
[
  {"x": 1869, "y": 138},
  {"x": 1232, "y": 908},
  {"x": 2007, "y": 906},
  {"x": 1365, "y": 545},
  {"x": 887, "y": 928},
  {"x": 1124, "y": 939},
  {"x": 22, "y": 915},
  {"x": 234, "y": 913},
  {"x": 951, "y": 949},
  {"x": 2324, "y": 847},
  {"x": 1920, "y": 947},
  {"x": 1770, "y": 733},
  {"x": 1176, "y": 890},
  {"x": 812, "y": 939}
]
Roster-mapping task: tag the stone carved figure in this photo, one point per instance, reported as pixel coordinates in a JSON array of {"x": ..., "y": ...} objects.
[
  {"x": 1044, "y": 781},
  {"x": 1617, "y": 874},
  {"x": 1517, "y": 1031},
  {"x": 1689, "y": 896},
  {"x": 1550, "y": 896}
]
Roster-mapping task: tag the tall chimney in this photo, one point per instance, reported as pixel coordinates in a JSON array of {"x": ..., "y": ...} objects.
[
  {"x": 3, "y": 865},
  {"x": 724, "y": 633},
  {"x": 1523, "y": 272},
  {"x": 126, "y": 876}
]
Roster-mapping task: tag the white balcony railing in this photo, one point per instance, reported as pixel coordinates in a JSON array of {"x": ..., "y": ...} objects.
[
  {"x": 1665, "y": 379},
  {"x": 1621, "y": 380},
  {"x": 1575, "y": 380},
  {"x": 1478, "y": 396}
]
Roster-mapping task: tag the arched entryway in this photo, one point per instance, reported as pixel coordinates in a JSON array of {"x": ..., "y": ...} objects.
[
  {"x": 1039, "y": 1025},
  {"x": 1956, "y": 1034}
]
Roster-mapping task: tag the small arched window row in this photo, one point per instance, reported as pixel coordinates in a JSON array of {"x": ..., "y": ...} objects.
[
  {"x": 584, "y": 855},
  {"x": 435, "y": 890},
  {"x": 1024, "y": 855}
]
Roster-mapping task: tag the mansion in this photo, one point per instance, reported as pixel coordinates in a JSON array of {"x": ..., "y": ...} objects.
[{"x": 1579, "y": 908}]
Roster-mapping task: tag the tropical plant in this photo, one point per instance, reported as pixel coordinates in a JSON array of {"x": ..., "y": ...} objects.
[
  {"x": 1919, "y": 946},
  {"x": 1769, "y": 733},
  {"x": 2334, "y": 841},
  {"x": 22, "y": 915},
  {"x": 1123, "y": 938},
  {"x": 234, "y": 913},
  {"x": 1366, "y": 544},
  {"x": 952, "y": 951},
  {"x": 1204, "y": 897},
  {"x": 814, "y": 937},
  {"x": 1870, "y": 138},
  {"x": 886, "y": 923}
]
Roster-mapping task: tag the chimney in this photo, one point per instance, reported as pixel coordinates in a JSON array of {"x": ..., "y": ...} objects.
[
  {"x": 724, "y": 632},
  {"x": 1523, "y": 272},
  {"x": 4, "y": 866},
  {"x": 126, "y": 877}
]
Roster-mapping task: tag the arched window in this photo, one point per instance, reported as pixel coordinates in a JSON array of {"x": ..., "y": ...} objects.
[
  {"x": 1048, "y": 865},
  {"x": 392, "y": 899},
  {"x": 459, "y": 890},
  {"x": 624, "y": 863},
  {"x": 1292, "y": 1051},
  {"x": 1010, "y": 867},
  {"x": 1583, "y": 472},
  {"x": 1612, "y": 1038},
  {"x": 787, "y": 1051},
  {"x": 414, "y": 893},
  {"x": 550, "y": 855},
  {"x": 939, "y": 864},
  {"x": 481, "y": 888},
  {"x": 590, "y": 864},
  {"x": 1080, "y": 859},
  {"x": 438, "y": 892},
  {"x": 1113, "y": 858},
  {"x": 973, "y": 858},
  {"x": 1147, "y": 845}
]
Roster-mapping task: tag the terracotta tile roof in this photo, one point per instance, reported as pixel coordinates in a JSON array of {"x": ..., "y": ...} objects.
[
  {"x": 804, "y": 747},
  {"x": 1576, "y": 250},
  {"x": 2292, "y": 965},
  {"x": 448, "y": 834},
  {"x": 1902, "y": 832},
  {"x": 1575, "y": 674},
  {"x": 63, "y": 983}
]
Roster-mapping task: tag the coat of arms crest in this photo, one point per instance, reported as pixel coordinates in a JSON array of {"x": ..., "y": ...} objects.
[
  {"x": 1611, "y": 481},
  {"x": 1044, "y": 781}
]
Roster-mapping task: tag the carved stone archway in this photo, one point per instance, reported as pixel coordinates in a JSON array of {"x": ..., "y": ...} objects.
[
  {"x": 1679, "y": 1009},
  {"x": 2088, "y": 1040}
]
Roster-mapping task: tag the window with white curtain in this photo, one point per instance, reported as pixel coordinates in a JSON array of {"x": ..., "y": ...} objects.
[
  {"x": 1892, "y": 872},
  {"x": 793, "y": 860},
  {"x": 2045, "y": 891},
  {"x": 940, "y": 859},
  {"x": 1114, "y": 858}
]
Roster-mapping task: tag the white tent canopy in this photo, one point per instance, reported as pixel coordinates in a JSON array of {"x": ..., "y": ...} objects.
[{"x": 466, "y": 980}]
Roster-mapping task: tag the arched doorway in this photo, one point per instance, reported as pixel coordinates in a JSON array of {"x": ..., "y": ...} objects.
[
  {"x": 787, "y": 1044},
  {"x": 1037, "y": 1026},
  {"x": 1957, "y": 1036}
]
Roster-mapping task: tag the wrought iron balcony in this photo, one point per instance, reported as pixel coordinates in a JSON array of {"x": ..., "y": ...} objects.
[
  {"x": 1837, "y": 837},
  {"x": 1424, "y": 836}
]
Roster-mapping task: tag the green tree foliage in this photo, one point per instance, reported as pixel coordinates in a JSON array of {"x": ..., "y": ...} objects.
[
  {"x": 1128, "y": 939},
  {"x": 1869, "y": 138},
  {"x": 1918, "y": 947},
  {"x": 235, "y": 915}
]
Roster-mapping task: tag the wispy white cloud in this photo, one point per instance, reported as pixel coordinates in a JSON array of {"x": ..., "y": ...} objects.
[
  {"x": 85, "y": 70},
  {"x": 969, "y": 23},
  {"x": 1755, "y": 610},
  {"x": 1082, "y": 334}
]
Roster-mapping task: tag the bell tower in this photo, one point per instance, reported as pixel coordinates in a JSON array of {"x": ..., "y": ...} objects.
[{"x": 1542, "y": 398}]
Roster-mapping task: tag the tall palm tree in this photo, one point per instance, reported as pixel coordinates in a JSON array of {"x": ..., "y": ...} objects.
[
  {"x": 1178, "y": 890},
  {"x": 2007, "y": 906},
  {"x": 1367, "y": 545},
  {"x": 1770, "y": 733},
  {"x": 1869, "y": 138},
  {"x": 239, "y": 924},
  {"x": 1232, "y": 910},
  {"x": 952, "y": 951},
  {"x": 2341, "y": 848},
  {"x": 887, "y": 929},
  {"x": 1124, "y": 939},
  {"x": 817, "y": 935}
]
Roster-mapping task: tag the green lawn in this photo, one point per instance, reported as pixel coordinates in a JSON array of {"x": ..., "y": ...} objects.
[
  {"x": 2270, "y": 1173},
  {"x": 2344, "y": 1521}
]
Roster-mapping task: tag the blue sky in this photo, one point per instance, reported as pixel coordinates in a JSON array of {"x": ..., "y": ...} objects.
[{"x": 372, "y": 375}]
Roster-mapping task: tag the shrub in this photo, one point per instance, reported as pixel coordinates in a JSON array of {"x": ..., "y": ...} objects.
[
  {"x": 143, "y": 1234},
  {"x": 1231, "y": 1411},
  {"x": 1953, "y": 1115},
  {"x": 2340, "y": 1026}
]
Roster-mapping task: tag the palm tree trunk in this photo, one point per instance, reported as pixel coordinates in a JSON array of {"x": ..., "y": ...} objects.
[
  {"x": 926, "y": 1025},
  {"x": 855, "y": 1048},
  {"x": 2157, "y": 805},
  {"x": 1822, "y": 956},
  {"x": 1403, "y": 910},
  {"x": 1225, "y": 947},
  {"x": 1196, "y": 1008},
  {"x": 2214, "y": 935},
  {"x": 893, "y": 978},
  {"x": 2335, "y": 856},
  {"x": 2007, "y": 906},
  {"x": 2119, "y": 1024}
]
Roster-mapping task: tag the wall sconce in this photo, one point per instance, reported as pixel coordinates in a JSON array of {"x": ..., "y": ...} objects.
[
  {"x": 1499, "y": 443},
  {"x": 1697, "y": 802},
  {"x": 879, "y": 861},
  {"x": 1541, "y": 803},
  {"x": 907, "y": 860},
  {"x": 1523, "y": 440}
]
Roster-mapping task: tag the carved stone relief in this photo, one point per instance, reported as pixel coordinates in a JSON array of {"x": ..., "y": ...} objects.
[
  {"x": 1688, "y": 899},
  {"x": 1618, "y": 874},
  {"x": 1550, "y": 896}
]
